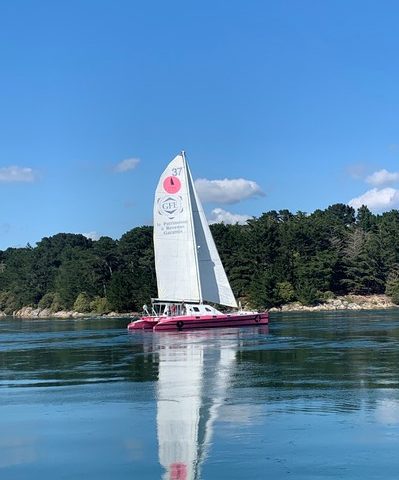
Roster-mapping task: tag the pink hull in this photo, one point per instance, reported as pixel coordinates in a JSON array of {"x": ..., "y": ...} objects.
[{"x": 189, "y": 322}]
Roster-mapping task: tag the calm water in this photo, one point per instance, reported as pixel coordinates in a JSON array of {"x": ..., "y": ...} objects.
[{"x": 313, "y": 396}]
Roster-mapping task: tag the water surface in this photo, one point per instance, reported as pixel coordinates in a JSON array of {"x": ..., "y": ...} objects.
[{"x": 311, "y": 396}]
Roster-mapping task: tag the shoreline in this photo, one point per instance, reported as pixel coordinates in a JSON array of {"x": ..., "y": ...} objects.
[
  {"x": 43, "y": 313},
  {"x": 347, "y": 302}
]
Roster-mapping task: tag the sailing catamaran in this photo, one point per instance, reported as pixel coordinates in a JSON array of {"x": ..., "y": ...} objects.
[{"x": 188, "y": 267}]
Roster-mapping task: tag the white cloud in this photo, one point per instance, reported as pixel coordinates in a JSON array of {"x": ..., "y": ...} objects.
[
  {"x": 227, "y": 190},
  {"x": 377, "y": 199},
  {"x": 219, "y": 215},
  {"x": 126, "y": 165},
  {"x": 17, "y": 174},
  {"x": 92, "y": 235},
  {"x": 382, "y": 177}
]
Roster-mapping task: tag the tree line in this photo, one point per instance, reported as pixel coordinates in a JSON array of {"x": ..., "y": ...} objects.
[{"x": 274, "y": 259}]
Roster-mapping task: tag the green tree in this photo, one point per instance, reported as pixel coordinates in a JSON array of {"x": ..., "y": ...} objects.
[
  {"x": 82, "y": 303},
  {"x": 263, "y": 292},
  {"x": 365, "y": 269},
  {"x": 392, "y": 284},
  {"x": 365, "y": 219},
  {"x": 100, "y": 305},
  {"x": 79, "y": 272},
  {"x": 286, "y": 292},
  {"x": 120, "y": 294}
]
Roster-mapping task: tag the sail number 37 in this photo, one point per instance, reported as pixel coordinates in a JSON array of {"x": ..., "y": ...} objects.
[{"x": 176, "y": 171}]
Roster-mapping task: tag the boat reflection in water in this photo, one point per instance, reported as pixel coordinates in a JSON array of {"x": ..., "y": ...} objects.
[{"x": 195, "y": 370}]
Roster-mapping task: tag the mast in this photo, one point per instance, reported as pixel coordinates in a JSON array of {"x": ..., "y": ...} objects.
[{"x": 188, "y": 178}]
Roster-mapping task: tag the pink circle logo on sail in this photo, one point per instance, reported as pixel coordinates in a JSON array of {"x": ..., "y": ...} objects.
[
  {"x": 178, "y": 471},
  {"x": 171, "y": 184}
]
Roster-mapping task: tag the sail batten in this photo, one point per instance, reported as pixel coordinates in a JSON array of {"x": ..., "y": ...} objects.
[{"x": 188, "y": 265}]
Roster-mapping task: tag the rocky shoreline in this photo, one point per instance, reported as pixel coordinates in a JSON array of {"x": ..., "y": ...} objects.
[
  {"x": 30, "y": 312},
  {"x": 348, "y": 302}
]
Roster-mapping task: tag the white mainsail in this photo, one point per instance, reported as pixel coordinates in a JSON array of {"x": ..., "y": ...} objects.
[{"x": 187, "y": 262}]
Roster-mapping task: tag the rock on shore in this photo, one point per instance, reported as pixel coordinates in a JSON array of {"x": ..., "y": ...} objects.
[
  {"x": 30, "y": 312},
  {"x": 347, "y": 302}
]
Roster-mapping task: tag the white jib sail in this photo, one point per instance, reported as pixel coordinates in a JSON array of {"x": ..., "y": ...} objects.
[
  {"x": 187, "y": 263},
  {"x": 214, "y": 284}
]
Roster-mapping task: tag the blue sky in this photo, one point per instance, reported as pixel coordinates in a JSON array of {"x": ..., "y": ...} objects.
[{"x": 295, "y": 102}]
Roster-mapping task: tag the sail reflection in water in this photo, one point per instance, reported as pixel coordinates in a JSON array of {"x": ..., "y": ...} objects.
[{"x": 194, "y": 374}]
